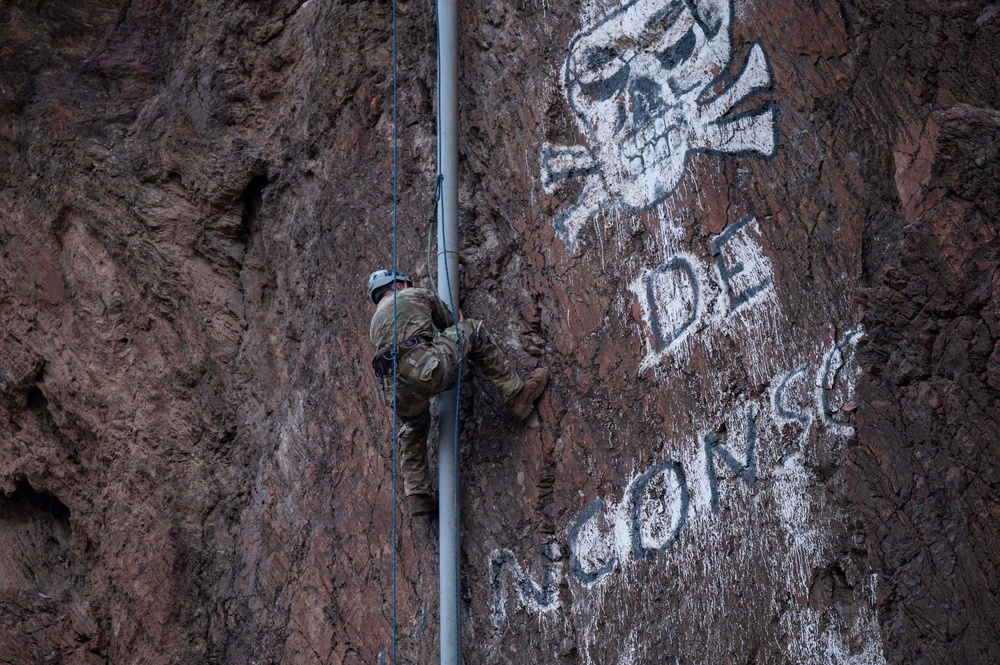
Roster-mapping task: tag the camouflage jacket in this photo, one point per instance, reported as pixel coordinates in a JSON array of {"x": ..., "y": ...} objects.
[{"x": 419, "y": 313}]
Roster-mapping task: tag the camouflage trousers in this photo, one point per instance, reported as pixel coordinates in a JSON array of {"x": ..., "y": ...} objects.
[{"x": 431, "y": 369}]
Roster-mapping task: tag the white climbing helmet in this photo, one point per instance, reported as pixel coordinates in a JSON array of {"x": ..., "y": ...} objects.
[{"x": 380, "y": 278}]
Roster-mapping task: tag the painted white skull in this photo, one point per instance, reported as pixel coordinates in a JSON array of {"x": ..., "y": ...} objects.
[
  {"x": 634, "y": 82},
  {"x": 650, "y": 84}
]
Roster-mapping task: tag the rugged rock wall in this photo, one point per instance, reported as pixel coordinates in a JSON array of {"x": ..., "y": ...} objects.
[{"x": 773, "y": 417}]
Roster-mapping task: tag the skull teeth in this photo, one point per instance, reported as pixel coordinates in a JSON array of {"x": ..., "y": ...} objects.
[
  {"x": 653, "y": 131},
  {"x": 649, "y": 143},
  {"x": 662, "y": 148},
  {"x": 649, "y": 146},
  {"x": 631, "y": 148},
  {"x": 649, "y": 154}
]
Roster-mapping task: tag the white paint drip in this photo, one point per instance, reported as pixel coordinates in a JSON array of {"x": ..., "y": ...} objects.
[
  {"x": 726, "y": 316},
  {"x": 680, "y": 301},
  {"x": 836, "y": 375},
  {"x": 782, "y": 495},
  {"x": 539, "y": 598},
  {"x": 673, "y": 303},
  {"x": 661, "y": 512}
]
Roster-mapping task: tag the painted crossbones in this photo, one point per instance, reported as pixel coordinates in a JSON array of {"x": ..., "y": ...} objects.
[{"x": 641, "y": 85}]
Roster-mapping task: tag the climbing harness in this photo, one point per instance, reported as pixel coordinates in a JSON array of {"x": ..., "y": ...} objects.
[{"x": 384, "y": 362}]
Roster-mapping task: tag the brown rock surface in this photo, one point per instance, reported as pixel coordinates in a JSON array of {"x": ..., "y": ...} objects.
[
  {"x": 771, "y": 426},
  {"x": 924, "y": 463}
]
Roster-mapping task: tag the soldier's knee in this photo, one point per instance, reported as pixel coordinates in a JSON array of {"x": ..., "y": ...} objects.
[
  {"x": 415, "y": 419},
  {"x": 473, "y": 330}
]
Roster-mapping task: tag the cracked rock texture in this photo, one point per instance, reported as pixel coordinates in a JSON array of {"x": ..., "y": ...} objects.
[{"x": 195, "y": 464}]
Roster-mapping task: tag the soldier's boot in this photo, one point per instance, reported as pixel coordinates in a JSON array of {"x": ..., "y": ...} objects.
[
  {"x": 523, "y": 401},
  {"x": 421, "y": 504}
]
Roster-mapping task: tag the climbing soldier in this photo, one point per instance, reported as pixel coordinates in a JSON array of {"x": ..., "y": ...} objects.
[{"x": 427, "y": 359}]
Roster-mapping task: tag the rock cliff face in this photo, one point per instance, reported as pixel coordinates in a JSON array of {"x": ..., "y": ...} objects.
[{"x": 755, "y": 243}]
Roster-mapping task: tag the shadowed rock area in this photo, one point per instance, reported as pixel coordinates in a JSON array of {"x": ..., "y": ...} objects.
[{"x": 754, "y": 243}]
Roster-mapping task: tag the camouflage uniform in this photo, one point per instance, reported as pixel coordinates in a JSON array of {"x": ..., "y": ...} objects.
[{"x": 431, "y": 368}]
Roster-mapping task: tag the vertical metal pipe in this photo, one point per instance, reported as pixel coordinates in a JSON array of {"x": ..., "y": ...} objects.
[{"x": 447, "y": 14}]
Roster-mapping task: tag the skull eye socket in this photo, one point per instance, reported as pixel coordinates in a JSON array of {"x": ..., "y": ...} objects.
[
  {"x": 666, "y": 28},
  {"x": 600, "y": 72},
  {"x": 681, "y": 51},
  {"x": 598, "y": 64},
  {"x": 602, "y": 89}
]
